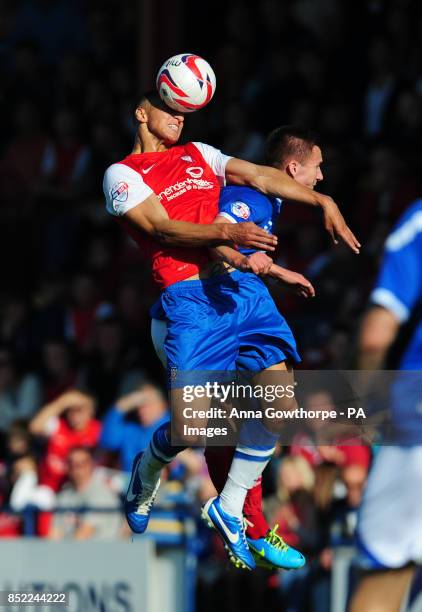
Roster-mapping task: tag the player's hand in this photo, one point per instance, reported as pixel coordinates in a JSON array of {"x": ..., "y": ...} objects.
[
  {"x": 260, "y": 263},
  {"x": 335, "y": 224},
  {"x": 295, "y": 281},
  {"x": 251, "y": 236}
]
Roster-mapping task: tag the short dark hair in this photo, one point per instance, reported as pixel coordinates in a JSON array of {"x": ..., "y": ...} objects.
[
  {"x": 152, "y": 96},
  {"x": 289, "y": 141}
]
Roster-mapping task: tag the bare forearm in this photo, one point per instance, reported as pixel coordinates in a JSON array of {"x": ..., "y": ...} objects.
[
  {"x": 150, "y": 217},
  {"x": 230, "y": 256},
  {"x": 273, "y": 182},
  {"x": 183, "y": 233},
  {"x": 38, "y": 424},
  {"x": 276, "y": 272},
  {"x": 269, "y": 181}
]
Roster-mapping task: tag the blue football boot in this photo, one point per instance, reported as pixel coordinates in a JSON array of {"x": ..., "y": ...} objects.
[
  {"x": 232, "y": 530},
  {"x": 139, "y": 499},
  {"x": 273, "y": 553}
]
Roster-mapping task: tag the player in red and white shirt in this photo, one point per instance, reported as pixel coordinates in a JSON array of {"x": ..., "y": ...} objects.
[{"x": 166, "y": 195}]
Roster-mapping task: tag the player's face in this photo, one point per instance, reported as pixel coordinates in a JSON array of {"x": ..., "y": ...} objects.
[
  {"x": 165, "y": 124},
  {"x": 309, "y": 172}
]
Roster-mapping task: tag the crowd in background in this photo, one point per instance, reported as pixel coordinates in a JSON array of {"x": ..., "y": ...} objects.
[{"x": 75, "y": 292}]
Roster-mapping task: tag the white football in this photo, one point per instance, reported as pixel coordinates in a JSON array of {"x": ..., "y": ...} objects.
[{"x": 186, "y": 82}]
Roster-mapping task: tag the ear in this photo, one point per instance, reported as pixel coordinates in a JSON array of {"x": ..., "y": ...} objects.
[
  {"x": 141, "y": 115},
  {"x": 292, "y": 168}
]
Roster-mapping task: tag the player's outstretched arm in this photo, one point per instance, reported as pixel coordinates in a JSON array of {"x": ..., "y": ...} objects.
[
  {"x": 151, "y": 217},
  {"x": 293, "y": 280},
  {"x": 274, "y": 182},
  {"x": 263, "y": 265}
]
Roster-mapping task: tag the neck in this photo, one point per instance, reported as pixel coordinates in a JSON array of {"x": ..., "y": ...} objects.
[
  {"x": 80, "y": 486},
  {"x": 146, "y": 142}
]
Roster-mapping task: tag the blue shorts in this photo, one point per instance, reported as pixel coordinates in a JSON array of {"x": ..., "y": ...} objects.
[
  {"x": 224, "y": 323},
  {"x": 263, "y": 334}
]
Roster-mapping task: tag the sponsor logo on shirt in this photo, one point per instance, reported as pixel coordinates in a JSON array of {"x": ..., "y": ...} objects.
[
  {"x": 187, "y": 158},
  {"x": 181, "y": 187},
  {"x": 146, "y": 170},
  {"x": 240, "y": 209},
  {"x": 120, "y": 192},
  {"x": 195, "y": 171}
]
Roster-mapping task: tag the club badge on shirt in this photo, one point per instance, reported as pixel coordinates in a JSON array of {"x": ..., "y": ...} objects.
[{"x": 240, "y": 209}]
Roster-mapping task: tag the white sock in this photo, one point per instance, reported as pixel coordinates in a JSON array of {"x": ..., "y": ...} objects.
[{"x": 242, "y": 476}]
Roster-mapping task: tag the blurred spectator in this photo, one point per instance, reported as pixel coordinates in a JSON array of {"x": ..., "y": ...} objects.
[
  {"x": 26, "y": 490},
  {"x": 381, "y": 85},
  {"x": 85, "y": 490},
  {"x": 319, "y": 443},
  {"x": 20, "y": 394},
  {"x": 18, "y": 441},
  {"x": 241, "y": 140},
  {"x": 385, "y": 192},
  {"x": 21, "y": 162},
  {"x": 66, "y": 422},
  {"x": 65, "y": 158},
  {"x": 58, "y": 368},
  {"x": 295, "y": 515},
  {"x": 55, "y": 25},
  {"x": 345, "y": 510},
  {"x": 80, "y": 316},
  {"x": 16, "y": 325},
  {"x": 129, "y": 425},
  {"x": 111, "y": 369},
  {"x": 291, "y": 507}
]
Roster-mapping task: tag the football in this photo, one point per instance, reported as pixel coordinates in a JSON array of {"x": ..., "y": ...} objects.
[{"x": 186, "y": 82}]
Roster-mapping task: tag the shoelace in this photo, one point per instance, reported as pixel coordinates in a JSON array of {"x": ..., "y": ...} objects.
[
  {"x": 243, "y": 536},
  {"x": 275, "y": 540},
  {"x": 243, "y": 524},
  {"x": 145, "y": 499}
]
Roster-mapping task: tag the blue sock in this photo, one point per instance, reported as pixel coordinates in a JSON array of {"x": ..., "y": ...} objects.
[{"x": 159, "y": 453}]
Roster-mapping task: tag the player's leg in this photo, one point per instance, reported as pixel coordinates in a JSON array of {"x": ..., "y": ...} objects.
[
  {"x": 387, "y": 544},
  {"x": 219, "y": 460},
  {"x": 265, "y": 343},
  {"x": 255, "y": 448},
  {"x": 382, "y": 591},
  {"x": 198, "y": 336}
]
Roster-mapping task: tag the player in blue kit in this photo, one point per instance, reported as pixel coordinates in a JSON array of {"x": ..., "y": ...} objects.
[
  {"x": 260, "y": 325},
  {"x": 295, "y": 151},
  {"x": 390, "y": 519}
]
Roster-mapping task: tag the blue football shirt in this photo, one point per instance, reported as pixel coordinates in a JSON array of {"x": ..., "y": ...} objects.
[
  {"x": 399, "y": 290},
  {"x": 399, "y": 284},
  {"x": 240, "y": 204}
]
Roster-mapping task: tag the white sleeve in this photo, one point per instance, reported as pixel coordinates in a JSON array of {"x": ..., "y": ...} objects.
[
  {"x": 214, "y": 158},
  {"x": 123, "y": 189}
]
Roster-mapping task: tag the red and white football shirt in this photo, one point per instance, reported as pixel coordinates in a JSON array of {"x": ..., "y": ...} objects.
[{"x": 187, "y": 180}]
